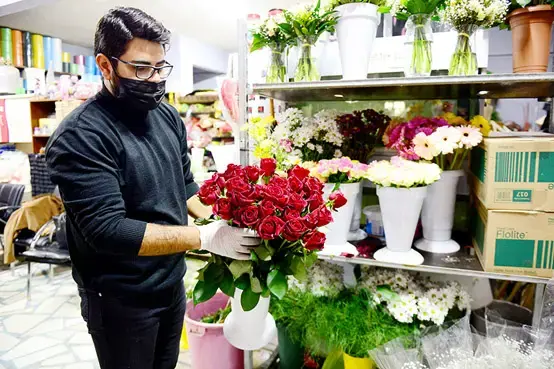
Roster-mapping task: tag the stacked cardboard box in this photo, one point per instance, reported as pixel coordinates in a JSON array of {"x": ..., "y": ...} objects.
[{"x": 512, "y": 182}]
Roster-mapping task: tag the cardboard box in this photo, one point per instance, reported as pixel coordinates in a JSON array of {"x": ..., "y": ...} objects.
[
  {"x": 514, "y": 241},
  {"x": 514, "y": 173}
]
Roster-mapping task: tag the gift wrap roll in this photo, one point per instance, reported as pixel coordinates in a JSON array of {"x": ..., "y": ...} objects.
[
  {"x": 6, "y": 36},
  {"x": 57, "y": 54},
  {"x": 37, "y": 42},
  {"x": 66, "y": 59},
  {"x": 17, "y": 48},
  {"x": 48, "y": 56},
  {"x": 27, "y": 50}
]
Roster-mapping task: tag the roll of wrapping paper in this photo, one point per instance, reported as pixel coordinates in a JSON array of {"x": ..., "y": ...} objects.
[
  {"x": 27, "y": 50},
  {"x": 48, "y": 57},
  {"x": 6, "y": 37},
  {"x": 66, "y": 58},
  {"x": 74, "y": 68},
  {"x": 38, "y": 51},
  {"x": 79, "y": 59},
  {"x": 90, "y": 63},
  {"x": 17, "y": 48},
  {"x": 57, "y": 54}
]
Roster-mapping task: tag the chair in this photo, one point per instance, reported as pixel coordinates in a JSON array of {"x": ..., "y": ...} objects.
[
  {"x": 50, "y": 249},
  {"x": 10, "y": 200}
]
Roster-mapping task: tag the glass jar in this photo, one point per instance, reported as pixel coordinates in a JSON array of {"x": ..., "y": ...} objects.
[
  {"x": 276, "y": 70},
  {"x": 307, "y": 71},
  {"x": 419, "y": 46},
  {"x": 464, "y": 60}
]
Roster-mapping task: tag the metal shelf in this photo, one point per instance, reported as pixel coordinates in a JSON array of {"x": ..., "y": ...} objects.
[
  {"x": 423, "y": 88},
  {"x": 459, "y": 263}
]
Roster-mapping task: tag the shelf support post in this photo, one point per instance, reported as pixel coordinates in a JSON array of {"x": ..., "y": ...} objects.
[{"x": 539, "y": 301}]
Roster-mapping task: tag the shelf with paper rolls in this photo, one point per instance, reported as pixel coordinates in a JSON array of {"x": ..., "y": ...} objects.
[{"x": 490, "y": 86}]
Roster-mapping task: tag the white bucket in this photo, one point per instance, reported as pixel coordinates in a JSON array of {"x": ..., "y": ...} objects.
[
  {"x": 337, "y": 230},
  {"x": 224, "y": 155},
  {"x": 356, "y": 31}
]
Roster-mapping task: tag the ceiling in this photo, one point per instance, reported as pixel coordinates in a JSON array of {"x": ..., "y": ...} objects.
[{"x": 210, "y": 21}]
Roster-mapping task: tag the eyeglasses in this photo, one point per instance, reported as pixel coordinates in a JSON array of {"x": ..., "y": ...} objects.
[{"x": 147, "y": 71}]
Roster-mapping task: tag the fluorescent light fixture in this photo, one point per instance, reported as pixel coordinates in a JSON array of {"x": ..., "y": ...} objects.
[
  {"x": 482, "y": 93},
  {"x": 339, "y": 96}
]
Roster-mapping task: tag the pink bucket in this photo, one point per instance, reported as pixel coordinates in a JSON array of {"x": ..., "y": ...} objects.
[{"x": 209, "y": 348}]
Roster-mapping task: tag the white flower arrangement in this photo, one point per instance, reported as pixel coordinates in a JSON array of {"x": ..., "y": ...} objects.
[
  {"x": 410, "y": 299},
  {"x": 479, "y": 13},
  {"x": 324, "y": 280},
  {"x": 403, "y": 173}
]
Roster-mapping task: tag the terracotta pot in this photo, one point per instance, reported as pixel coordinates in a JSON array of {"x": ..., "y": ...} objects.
[{"x": 531, "y": 34}]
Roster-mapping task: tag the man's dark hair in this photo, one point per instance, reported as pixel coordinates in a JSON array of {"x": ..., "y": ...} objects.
[{"x": 120, "y": 25}]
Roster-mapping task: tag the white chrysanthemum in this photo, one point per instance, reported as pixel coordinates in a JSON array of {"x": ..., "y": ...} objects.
[{"x": 462, "y": 14}]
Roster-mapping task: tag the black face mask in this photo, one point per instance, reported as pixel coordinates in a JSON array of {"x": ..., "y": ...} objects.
[{"x": 139, "y": 95}]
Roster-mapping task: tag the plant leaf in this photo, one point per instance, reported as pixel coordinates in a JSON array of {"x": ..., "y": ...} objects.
[
  {"x": 227, "y": 285},
  {"x": 262, "y": 252},
  {"x": 213, "y": 273},
  {"x": 255, "y": 284},
  {"x": 249, "y": 299},
  {"x": 240, "y": 267},
  {"x": 203, "y": 292},
  {"x": 298, "y": 268},
  {"x": 277, "y": 283},
  {"x": 243, "y": 282}
]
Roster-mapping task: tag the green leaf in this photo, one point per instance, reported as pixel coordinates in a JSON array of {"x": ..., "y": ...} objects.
[
  {"x": 298, "y": 268},
  {"x": 265, "y": 292},
  {"x": 523, "y": 3},
  {"x": 262, "y": 252},
  {"x": 277, "y": 283},
  {"x": 227, "y": 285},
  {"x": 249, "y": 299},
  {"x": 203, "y": 221},
  {"x": 311, "y": 258},
  {"x": 387, "y": 293},
  {"x": 203, "y": 291},
  {"x": 201, "y": 272},
  {"x": 240, "y": 267},
  {"x": 213, "y": 273},
  {"x": 257, "y": 43},
  {"x": 255, "y": 284},
  {"x": 243, "y": 282}
]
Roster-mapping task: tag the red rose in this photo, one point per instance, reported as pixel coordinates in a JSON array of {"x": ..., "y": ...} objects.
[
  {"x": 233, "y": 170},
  {"x": 315, "y": 201},
  {"x": 296, "y": 185},
  {"x": 314, "y": 240},
  {"x": 253, "y": 173},
  {"x": 278, "y": 195},
  {"x": 270, "y": 228},
  {"x": 324, "y": 216},
  {"x": 250, "y": 216},
  {"x": 209, "y": 193},
  {"x": 299, "y": 172},
  {"x": 237, "y": 184},
  {"x": 268, "y": 167},
  {"x": 279, "y": 181},
  {"x": 291, "y": 214},
  {"x": 218, "y": 180},
  {"x": 267, "y": 208},
  {"x": 297, "y": 202},
  {"x": 244, "y": 198},
  {"x": 222, "y": 209},
  {"x": 294, "y": 229},
  {"x": 338, "y": 200},
  {"x": 313, "y": 185}
]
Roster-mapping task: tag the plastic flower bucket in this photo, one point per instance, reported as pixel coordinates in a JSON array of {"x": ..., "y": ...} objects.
[
  {"x": 208, "y": 346},
  {"x": 351, "y": 362},
  {"x": 291, "y": 354}
]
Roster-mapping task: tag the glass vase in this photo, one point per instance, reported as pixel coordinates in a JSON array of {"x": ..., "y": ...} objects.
[
  {"x": 306, "y": 71},
  {"x": 464, "y": 60},
  {"x": 419, "y": 42},
  {"x": 277, "y": 70}
]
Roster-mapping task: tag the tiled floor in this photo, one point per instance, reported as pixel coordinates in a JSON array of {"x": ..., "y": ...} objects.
[{"x": 48, "y": 331}]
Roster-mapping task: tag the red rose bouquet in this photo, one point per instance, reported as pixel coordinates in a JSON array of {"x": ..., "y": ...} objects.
[{"x": 285, "y": 211}]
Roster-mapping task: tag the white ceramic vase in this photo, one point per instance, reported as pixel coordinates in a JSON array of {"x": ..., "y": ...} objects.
[
  {"x": 197, "y": 160},
  {"x": 357, "y": 234},
  {"x": 400, "y": 208},
  {"x": 437, "y": 216},
  {"x": 249, "y": 330},
  {"x": 223, "y": 156},
  {"x": 337, "y": 231},
  {"x": 356, "y": 31}
]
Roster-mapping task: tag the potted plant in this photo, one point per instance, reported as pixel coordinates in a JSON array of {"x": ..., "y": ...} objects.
[
  {"x": 531, "y": 24},
  {"x": 306, "y": 24},
  {"x": 286, "y": 213},
  {"x": 371, "y": 125},
  {"x": 467, "y": 17},
  {"x": 401, "y": 188},
  {"x": 419, "y": 34},
  {"x": 343, "y": 182},
  {"x": 356, "y": 31},
  {"x": 270, "y": 35}
]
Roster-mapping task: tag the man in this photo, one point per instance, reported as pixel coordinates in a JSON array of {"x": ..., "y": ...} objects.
[{"x": 120, "y": 161}]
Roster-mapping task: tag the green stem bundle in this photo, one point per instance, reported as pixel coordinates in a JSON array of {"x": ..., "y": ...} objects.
[
  {"x": 307, "y": 68},
  {"x": 421, "y": 59},
  {"x": 277, "y": 71},
  {"x": 464, "y": 60}
]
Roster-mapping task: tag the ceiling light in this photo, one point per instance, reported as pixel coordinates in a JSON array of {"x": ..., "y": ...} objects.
[
  {"x": 339, "y": 96},
  {"x": 482, "y": 93}
]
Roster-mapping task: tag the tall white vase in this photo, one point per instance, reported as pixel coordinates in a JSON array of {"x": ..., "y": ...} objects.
[
  {"x": 357, "y": 234},
  {"x": 437, "y": 216},
  {"x": 249, "y": 330},
  {"x": 337, "y": 232},
  {"x": 224, "y": 155},
  {"x": 400, "y": 208},
  {"x": 356, "y": 31}
]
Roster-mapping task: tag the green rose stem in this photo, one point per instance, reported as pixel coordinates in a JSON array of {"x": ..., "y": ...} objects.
[
  {"x": 277, "y": 71},
  {"x": 307, "y": 69},
  {"x": 422, "y": 50},
  {"x": 464, "y": 60}
]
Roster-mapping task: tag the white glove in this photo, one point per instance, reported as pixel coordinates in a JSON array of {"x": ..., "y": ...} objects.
[{"x": 221, "y": 239}]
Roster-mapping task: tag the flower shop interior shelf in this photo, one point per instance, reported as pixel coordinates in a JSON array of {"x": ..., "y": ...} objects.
[{"x": 423, "y": 88}]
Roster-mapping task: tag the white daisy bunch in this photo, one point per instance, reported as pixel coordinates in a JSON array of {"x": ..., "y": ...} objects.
[
  {"x": 324, "y": 279},
  {"x": 479, "y": 13},
  {"x": 403, "y": 173},
  {"x": 325, "y": 123},
  {"x": 446, "y": 140},
  {"x": 409, "y": 298}
]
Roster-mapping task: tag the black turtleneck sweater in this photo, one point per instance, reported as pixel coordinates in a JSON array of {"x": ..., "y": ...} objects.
[{"x": 118, "y": 170}]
